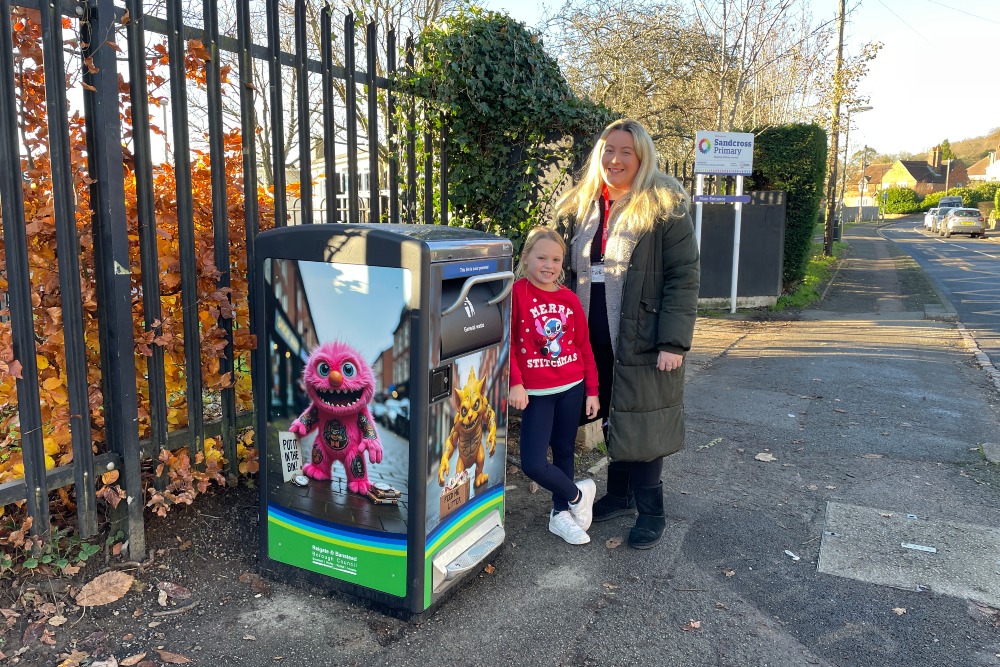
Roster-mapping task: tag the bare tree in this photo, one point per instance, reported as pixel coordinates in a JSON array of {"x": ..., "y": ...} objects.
[
  {"x": 681, "y": 66},
  {"x": 639, "y": 59},
  {"x": 768, "y": 56},
  {"x": 405, "y": 17}
]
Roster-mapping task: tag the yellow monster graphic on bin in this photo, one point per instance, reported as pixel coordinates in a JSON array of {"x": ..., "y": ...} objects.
[{"x": 474, "y": 413}]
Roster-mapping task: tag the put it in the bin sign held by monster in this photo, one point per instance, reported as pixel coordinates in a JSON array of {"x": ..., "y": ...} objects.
[{"x": 339, "y": 384}]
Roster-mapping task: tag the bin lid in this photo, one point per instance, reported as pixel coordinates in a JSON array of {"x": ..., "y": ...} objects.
[
  {"x": 442, "y": 239},
  {"x": 443, "y": 242}
]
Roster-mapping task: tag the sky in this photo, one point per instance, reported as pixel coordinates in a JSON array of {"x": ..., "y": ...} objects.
[
  {"x": 932, "y": 49},
  {"x": 357, "y": 304}
]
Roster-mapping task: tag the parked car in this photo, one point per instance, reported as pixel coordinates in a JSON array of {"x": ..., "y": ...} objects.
[
  {"x": 939, "y": 217},
  {"x": 379, "y": 409},
  {"x": 963, "y": 221},
  {"x": 397, "y": 415},
  {"x": 929, "y": 219}
]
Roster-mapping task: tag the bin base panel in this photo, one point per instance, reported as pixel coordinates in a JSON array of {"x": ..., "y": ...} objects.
[{"x": 467, "y": 552}]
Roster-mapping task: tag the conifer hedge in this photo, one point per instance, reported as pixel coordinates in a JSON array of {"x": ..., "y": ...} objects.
[{"x": 792, "y": 158}]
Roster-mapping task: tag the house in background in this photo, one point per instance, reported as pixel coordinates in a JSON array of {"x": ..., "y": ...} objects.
[
  {"x": 924, "y": 177},
  {"x": 987, "y": 169},
  {"x": 868, "y": 185},
  {"x": 321, "y": 209}
]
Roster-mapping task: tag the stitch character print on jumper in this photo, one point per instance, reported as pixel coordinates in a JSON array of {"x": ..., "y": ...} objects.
[
  {"x": 339, "y": 384},
  {"x": 474, "y": 419},
  {"x": 551, "y": 329}
]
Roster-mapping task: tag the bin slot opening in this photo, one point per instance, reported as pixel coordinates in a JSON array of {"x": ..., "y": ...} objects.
[
  {"x": 468, "y": 282},
  {"x": 476, "y": 323}
]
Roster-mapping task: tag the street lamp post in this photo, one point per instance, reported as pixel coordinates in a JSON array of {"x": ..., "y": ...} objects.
[
  {"x": 847, "y": 157},
  {"x": 947, "y": 174}
]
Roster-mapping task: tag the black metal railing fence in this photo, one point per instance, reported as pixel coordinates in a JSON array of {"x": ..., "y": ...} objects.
[{"x": 112, "y": 151}]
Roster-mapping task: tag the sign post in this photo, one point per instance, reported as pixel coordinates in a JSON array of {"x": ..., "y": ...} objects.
[{"x": 723, "y": 154}]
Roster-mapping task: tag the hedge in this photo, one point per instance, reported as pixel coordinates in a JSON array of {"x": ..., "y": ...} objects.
[
  {"x": 792, "y": 158},
  {"x": 901, "y": 200},
  {"x": 510, "y": 118}
]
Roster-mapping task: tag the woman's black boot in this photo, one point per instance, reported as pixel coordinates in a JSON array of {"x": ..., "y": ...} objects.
[
  {"x": 618, "y": 501},
  {"x": 649, "y": 526}
]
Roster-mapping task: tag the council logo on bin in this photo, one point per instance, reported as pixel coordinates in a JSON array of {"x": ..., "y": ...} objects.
[{"x": 704, "y": 146}]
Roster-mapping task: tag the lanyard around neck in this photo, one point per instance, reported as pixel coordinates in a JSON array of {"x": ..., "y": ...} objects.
[{"x": 607, "y": 218}]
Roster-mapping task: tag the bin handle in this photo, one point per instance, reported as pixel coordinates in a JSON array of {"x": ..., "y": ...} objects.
[{"x": 487, "y": 278}]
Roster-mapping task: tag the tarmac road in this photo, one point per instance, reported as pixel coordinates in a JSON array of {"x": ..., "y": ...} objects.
[
  {"x": 966, "y": 270},
  {"x": 871, "y": 419}
]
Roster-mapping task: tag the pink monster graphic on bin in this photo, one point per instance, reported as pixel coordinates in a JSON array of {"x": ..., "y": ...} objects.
[
  {"x": 339, "y": 384},
  {"x": 551, "y": 329}
]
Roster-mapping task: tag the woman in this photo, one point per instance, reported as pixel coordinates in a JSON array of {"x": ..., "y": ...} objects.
[{"x": 635, "y": 261}]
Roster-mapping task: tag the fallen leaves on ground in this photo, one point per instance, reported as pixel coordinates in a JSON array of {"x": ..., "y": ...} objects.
[
  {"x": 729, "y": 572},
  {"x": 613, "y": 543},
  {"x": 10, "y": 616},
  {"x": 110, "y": 662},
  {"x": 899, "y": 611},
  {"x": 174, "y": 590},
  {"x": 133, "y": 659},
  {"x": 172, "y": 658},
  {"x": 33, "y": 632},
  {"x": 691, "y": 625},
  {"x": 75, "y": 659},
  {"x": 258, "y": 585},
  {"x": 765, "y": 456},
  {"x": 105, "y": 589},
  {"x": 489, "y": 569}
]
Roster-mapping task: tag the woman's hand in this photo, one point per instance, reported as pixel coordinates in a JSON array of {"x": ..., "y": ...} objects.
[
  {"x": 518, "y": 397},
  {"x": 668, "y": 361},
  {"x": 593, "y": 405}
]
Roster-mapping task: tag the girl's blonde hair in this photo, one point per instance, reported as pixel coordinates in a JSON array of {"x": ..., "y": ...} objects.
[
  {"x": 536, "y": 234},
  {"x": 653, "y": 193}
]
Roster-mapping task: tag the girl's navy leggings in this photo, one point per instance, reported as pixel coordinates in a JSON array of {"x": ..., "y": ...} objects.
[{"x": 551, "y": 421}]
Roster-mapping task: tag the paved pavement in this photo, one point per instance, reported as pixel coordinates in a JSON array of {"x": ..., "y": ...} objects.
[{"x": 833, "y": 506}]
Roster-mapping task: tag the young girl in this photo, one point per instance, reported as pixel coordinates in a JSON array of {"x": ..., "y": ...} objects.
[{"x": 551, "y": 368}]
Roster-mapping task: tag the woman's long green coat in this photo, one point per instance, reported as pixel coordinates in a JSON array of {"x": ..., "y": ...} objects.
[{"x": 659, "y": 302}]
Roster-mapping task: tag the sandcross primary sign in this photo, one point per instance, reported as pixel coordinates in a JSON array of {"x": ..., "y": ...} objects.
[{"x": 723, "y": 153}]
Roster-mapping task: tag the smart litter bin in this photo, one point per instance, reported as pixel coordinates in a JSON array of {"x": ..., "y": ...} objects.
[{"x": 381, "y": 391}]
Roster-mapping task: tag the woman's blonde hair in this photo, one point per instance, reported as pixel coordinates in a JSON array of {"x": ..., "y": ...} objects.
[
  {"x": 536, "y": 234},
  {"x": 653, "y": 193}
]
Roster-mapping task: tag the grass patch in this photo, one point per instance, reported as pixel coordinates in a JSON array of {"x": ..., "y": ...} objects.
[{"x": 817, "y": 274}]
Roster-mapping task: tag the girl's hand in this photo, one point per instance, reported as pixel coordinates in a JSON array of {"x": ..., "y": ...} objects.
[
  {"x": 668, "y": 361},
  {"x": 592, "y": 405},
  {"x": 518, "y": 397}
]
